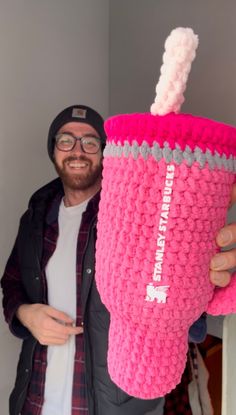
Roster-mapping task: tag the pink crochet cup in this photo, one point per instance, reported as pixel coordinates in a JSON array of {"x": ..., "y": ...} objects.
[{"x": 166, "y": 187}]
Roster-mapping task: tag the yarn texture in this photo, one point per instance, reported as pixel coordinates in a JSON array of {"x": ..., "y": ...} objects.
[
  {"x": 167, "y": 181},
  {"x": 180, "y": 47},
  {"x": 166, "y": 186}
]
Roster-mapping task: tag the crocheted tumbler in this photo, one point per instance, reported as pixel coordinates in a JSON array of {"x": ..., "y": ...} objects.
[{"x": 166, "y": 187}]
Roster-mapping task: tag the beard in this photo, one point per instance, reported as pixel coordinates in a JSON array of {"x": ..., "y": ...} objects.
[{"x": 78, "y": 180}]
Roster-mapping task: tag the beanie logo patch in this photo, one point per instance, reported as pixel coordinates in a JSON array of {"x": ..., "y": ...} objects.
[{"x": 79, "y": 113}]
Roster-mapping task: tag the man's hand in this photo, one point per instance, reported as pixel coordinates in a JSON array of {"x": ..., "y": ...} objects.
[
  {"x": 223, "y": 261},
  {"x": 48, "y": 325}
]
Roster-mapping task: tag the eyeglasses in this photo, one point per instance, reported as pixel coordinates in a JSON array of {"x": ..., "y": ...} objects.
[{"x": 67, "y": 141}]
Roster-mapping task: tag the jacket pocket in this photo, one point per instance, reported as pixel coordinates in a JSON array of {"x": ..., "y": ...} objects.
[{"x": 122, "y": 396}]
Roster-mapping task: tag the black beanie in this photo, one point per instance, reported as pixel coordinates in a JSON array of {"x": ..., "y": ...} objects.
[{"x": 75, "y": 113}]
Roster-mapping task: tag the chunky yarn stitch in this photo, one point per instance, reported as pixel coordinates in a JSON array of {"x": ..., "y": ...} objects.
[
  {"x": 166, "y": 186},
  {"x": 180, "y": 47}
]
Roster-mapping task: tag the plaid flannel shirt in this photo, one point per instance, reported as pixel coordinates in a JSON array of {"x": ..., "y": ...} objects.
[{"x": 34, "y": 400}]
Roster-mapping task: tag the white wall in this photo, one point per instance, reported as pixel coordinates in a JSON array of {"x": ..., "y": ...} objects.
[
  {"x": 229, "y": 372},
  {"x": 53, "y": 53},
  {"x": 137, "y": 35}
]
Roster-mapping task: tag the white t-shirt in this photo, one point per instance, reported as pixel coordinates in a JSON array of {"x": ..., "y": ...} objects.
[{"x": 61, "y": 282}]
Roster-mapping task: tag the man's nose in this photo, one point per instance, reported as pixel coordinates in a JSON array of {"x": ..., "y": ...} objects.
[{"x": 78, "y": 147}]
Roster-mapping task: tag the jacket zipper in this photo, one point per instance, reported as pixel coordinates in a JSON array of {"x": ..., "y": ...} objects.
[
  {"x": 27, "y": 383},
  {"x": 92, "y": 226},
  {"x": 86, "y": 341}
]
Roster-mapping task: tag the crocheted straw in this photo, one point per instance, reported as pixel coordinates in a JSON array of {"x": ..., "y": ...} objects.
[
  {"x": 166, "y": 186},
  {"x": 180, "y": 49}
]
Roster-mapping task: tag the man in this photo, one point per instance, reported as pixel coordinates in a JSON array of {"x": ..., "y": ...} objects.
[{"x": 50, "y": 298}]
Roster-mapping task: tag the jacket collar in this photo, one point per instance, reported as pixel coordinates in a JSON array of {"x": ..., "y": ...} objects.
[{"x": 47, "y": 200}]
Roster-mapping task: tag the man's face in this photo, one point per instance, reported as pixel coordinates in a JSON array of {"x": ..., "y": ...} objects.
[{"x": 78, "y": 170}]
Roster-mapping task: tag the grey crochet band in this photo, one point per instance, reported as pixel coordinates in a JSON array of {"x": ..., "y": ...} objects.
[{"x": 177, "y": 155}]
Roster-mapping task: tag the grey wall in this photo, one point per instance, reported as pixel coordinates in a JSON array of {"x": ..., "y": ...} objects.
[
  {"x": 138, "y": 29},
  {"x": 53, "y": 53},
  {"x": 58, "y": 52}
]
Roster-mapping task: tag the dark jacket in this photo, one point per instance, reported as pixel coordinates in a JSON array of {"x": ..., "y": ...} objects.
[{"x": 104, "y": 397}]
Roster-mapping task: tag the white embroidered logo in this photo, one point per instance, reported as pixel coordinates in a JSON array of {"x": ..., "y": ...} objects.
[{"x": 158, "y": 293}]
